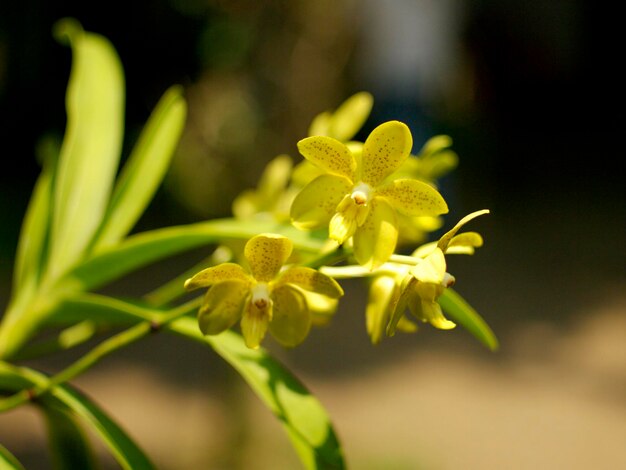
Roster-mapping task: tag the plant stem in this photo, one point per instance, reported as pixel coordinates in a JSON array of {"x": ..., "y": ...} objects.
[{"x": 103, "y": 349}]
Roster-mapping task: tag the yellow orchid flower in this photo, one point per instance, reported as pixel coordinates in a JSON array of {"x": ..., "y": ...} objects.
[
  {"x": 262, "y": 297},
  {"x": 426, "y": 281},
  {"x": 352, "y": 197}
]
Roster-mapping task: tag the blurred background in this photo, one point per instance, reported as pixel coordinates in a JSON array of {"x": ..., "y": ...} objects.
[{"x": 533, "y": 96}]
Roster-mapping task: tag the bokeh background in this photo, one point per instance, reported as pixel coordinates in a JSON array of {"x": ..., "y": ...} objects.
[{"x": 532, "y": 94}]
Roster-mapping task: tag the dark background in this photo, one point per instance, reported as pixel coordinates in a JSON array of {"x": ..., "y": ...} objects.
[{"x": 535, "y": 107}]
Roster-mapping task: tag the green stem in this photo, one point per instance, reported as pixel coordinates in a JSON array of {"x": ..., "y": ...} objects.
[{"x": 105, "y": 348}]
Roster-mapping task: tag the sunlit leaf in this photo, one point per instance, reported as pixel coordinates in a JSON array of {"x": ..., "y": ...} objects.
[
  {"x": 8, "y": 460},
  {"x": 125, "y": 451},
  {"x": 144, "y": 248},
  {"x": 145, "y": 168},
  {"x": 91, "y": 146},
  {"x": 463, "y": 314},
  {"x": 30, "y": 250},
  {"x": 302, "y": 415}
]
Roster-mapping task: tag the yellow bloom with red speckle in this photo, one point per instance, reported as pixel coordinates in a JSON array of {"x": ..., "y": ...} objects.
[
  {"x": 263, "y": 297},
  {"x": 352, "y": 197}
]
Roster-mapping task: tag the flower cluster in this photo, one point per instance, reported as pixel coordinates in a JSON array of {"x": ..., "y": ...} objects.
[{"x": 366, "y": 199}]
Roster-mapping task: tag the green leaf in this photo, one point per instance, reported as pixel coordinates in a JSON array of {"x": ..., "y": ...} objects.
[
  {"x": 145, "y": 168},
  {"x": 31, "y": 245},
  {"x": 462, "y": 313},
  {"x": 302, "y": 415},
  {"x": 125, "y": 451},
  {"x": 144, "y": 248},
  {"x": 69, "y": 446},
  {"x": 8, "y": 460},
  {"x": 91, "y": 146}
]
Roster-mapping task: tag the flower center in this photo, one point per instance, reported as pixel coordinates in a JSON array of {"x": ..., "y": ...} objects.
[
  {"x": 361, "y": 194},
  {"x": 261, "y": 295}
]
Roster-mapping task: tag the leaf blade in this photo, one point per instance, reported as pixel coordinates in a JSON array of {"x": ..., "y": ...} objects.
[
  {"x": 91, "y": 146},
  {"x": 144, "y": 248},
  {"x": 464, "y": 314},
  {"x": 145, "y": 168},
  {"x": 8, "y": 461},
  {"x": 305, "y": 420}
]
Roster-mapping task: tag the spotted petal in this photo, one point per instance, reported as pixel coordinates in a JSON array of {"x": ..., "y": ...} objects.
[
  {"x": 222, "y": 306},
  {"x": 266, "y": 253},
  {"x": 254, "y": 323},
  {"x": 413, "y": 197},
  {"x": 291, "y": 319},
  {"x": 315, "y": 205},
  {"x": 375, "y": 241},
  {"x": 311, "y": 280},
  {"x": 216, "y": 274},
  {"x": 329, "y": 154},
  {"x": 384, "y": 151}
]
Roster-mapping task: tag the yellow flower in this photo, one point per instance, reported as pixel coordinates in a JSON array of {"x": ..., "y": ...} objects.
[
  {"x": 352, "y": 197},
  {"x": 425, "y": 282},
  {"x": 263, "y": 297}
]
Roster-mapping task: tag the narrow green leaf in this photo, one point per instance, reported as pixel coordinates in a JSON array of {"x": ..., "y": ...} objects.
[
  {"x": 8, "y": 460},
  {"x": 30, "y": 249},
  {"x": 68, "y": 444},
  {"x": 462, "y": 313},
  {"x": 145, "y": 168},
  {"x": 144, "y": 248},
  {"x": 91, "y": 146},
  {"x": 302, "y": 415},
  {"x": 125, "y": 451}
]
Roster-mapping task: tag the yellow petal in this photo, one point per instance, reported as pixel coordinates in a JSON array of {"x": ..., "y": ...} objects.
[
  {"x": 406, "y": 326},
  {"x": 350, "y": 116},
  {"x": 222, "y": 306},
  {"x": 465, "y": 243},
  {"x": 254, "y": 324},
  {"x": 413, "y": 197},
  {"x": 430, "y": 312},
  {"x": 320, "y": 124},
  {"x": 311, "y": 280},
  {"x": 399, "y": 303},
  {"x": 291, "y": 320},
  {"x": 384, "y": 151},
  {"x": 305, "y": 172},
  {"x": 435, "y": 144},
  {"x": 344, "y": 223},
  {"x": 375, "y": 241},
  {"x": 431, "y": 269},
  {"x": 266, "y": 253},
  {"x": 274, "y": 180},
  {"x": 215, "y": 274},
  {"x": 322, "y": 308},
  {"x": 314, "y": 206},
  {"x": 445, "y": 239},
  {"x": 329, "y": 154},
  {"x": 382, "y": 294}
]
